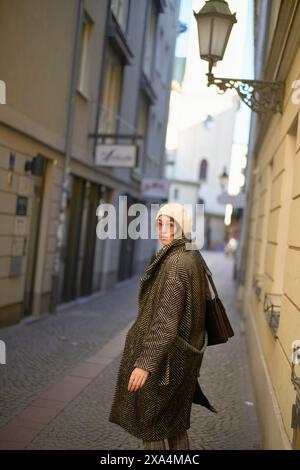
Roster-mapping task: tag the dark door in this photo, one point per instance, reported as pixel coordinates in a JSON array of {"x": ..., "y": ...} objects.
[
  {"x": 126, "y": 249},
  {"x": 73, "y": 239},
  {"x": 32, "y": 245},
  {"x": 89, "y": 240}
]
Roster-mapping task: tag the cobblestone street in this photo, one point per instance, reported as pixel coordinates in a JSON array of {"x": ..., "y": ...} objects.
[{"x": 57, "y": 385}]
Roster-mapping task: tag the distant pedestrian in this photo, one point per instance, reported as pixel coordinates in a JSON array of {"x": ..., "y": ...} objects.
[{"x": 164, "y": 347}]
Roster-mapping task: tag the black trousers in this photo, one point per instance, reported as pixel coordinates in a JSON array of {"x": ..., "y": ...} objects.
[{"x": 178, "y": 442}]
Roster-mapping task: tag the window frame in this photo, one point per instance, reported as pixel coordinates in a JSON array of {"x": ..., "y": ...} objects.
[
  {"x": 138, "y": 171},
  {"x": 152, "y": 7},
  {"x": 112, "y": 59},
  {"x": 87, "y": 25},
  {"x": 124, "y": 27}
]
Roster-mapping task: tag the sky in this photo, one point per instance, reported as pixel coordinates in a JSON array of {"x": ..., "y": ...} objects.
[
  {"x": 234, "y": 64},
  {"x": 198, "y": 100}
]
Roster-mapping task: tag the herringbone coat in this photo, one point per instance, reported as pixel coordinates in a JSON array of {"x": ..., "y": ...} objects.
[{"x": 168, "y": 339}]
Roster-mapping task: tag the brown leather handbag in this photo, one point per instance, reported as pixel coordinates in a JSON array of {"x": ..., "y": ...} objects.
[{"x": 217, "y": 324}]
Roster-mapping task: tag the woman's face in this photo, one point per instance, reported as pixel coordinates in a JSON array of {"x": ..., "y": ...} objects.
[{"x": 167, "y": 227}]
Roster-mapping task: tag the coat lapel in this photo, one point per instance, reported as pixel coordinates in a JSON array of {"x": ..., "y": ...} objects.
[
  {"x": 170, "y": 247},
  {"x": 151, "y": 268}
]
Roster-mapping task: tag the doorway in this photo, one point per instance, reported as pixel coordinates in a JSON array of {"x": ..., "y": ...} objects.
[
  {"x": 79, "y": 245},
  {"x": 127, "y": 248},
  {"x": 33, "y": 241}
]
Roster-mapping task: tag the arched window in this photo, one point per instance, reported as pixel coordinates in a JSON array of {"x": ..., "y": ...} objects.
[{"x": 203, "y": 170}]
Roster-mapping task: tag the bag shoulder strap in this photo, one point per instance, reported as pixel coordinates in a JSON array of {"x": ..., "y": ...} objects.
[{"x": 209, "y": 275}]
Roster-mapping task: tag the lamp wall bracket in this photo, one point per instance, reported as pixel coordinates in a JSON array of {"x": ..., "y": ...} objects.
[{"x": 260, "y": 95}]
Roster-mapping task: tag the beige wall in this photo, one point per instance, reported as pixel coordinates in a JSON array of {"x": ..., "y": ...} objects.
[
  {"x": 12, "y": 288},
  {"x": 274, "y": 259},
  {"x": 31, "y": 66},
  {"x": 37, "y": 46}
]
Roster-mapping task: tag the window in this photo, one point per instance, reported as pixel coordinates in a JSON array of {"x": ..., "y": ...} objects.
[
  {"x": 150, "y": 39},
  {"x": 171, "y": 5},
  {"x": 166, "y": 64},
  {"x": 159, "y": 129},
  {"x": 143, "y": 115},
  {"x": 159, "y": 60},
  {"x": 120, "y": 9},
  {"x": 142, "y": 126},
  {"x": 203, "y": 170},
  {"x": 87, "y": 25},
  {"x": 113, "y": 78}
]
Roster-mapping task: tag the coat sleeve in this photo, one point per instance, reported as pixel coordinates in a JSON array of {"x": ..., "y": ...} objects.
[{"x": 164, "y": 326}]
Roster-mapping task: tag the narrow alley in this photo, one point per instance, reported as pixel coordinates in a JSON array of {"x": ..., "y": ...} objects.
[{"x": 57, "y": 386}]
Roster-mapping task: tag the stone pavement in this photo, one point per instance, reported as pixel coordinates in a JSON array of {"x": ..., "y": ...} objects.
[{"x": 57, "y": 385}]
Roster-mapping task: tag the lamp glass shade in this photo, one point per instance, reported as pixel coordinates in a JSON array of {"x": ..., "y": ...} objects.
[
  {"x": 223, "y": 178},
  {"x": 204, "y": 35},
  {"x": 213, "y": 35},
  {"x": 220, "y": 35},
  {"x": 214, "y": 22}
]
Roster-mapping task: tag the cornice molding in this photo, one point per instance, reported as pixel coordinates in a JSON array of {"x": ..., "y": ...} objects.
[{"x": 286, "y": 40}]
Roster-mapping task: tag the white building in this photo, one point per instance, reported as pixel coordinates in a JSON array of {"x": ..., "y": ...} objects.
[
  {"x": 203, "y": 151},
  {"x": 201, "y": 136}
]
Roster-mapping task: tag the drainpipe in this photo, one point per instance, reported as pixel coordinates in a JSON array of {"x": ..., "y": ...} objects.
[
  {"x": 67, "y": 158},
  {"x": 101, "y": 79}
]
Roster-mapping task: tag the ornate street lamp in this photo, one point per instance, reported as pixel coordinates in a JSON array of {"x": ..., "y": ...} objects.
[
  {"x": 215, "y": 22},
  {"x": 223, "y": 179}
]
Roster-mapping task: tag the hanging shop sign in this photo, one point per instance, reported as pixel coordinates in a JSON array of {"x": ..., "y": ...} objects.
[
  {"x": 155, "y": 188},
  {"x": 116, "y": 155}
]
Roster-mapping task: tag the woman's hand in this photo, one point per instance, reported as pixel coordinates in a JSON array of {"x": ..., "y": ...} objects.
[{"x": 137, "y": 379}]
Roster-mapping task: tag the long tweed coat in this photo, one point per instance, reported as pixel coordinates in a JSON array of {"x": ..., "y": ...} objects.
[{"x": 168, "y": 339}]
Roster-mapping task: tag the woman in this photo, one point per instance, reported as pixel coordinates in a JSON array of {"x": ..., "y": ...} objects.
[{"x": 164, "y": 347}]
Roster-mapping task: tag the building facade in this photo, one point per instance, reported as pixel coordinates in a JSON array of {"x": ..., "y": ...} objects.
[
  {"x": 80, "y": 75},
  {"x": 270, "y": 275}
]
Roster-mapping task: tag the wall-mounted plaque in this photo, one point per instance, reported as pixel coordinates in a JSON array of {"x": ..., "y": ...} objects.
[
  {"x": 24, "y": 186},
  {"x": 20, "y": 225},
  {"x": 15, "y": 266},
  {"x": 22, "y": 203}
]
